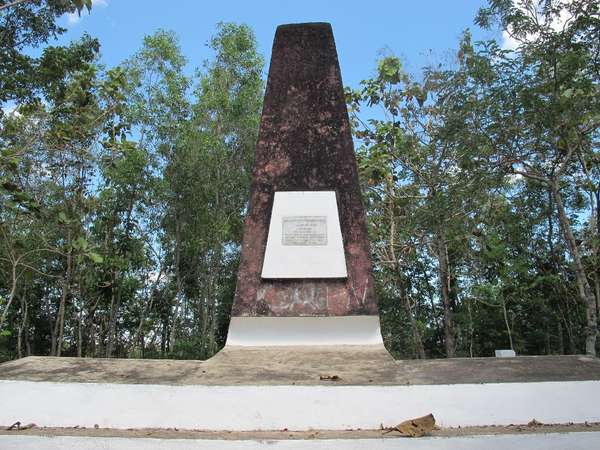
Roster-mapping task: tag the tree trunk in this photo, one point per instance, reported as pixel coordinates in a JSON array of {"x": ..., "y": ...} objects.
[
  {"x": 596, "y": 252},
  {"x": 508, "y": 330},
  {"x": 419, "y": 349},
  {"x": 138, "y": 337},
  {"x": 561, "y": 341},
  {"x": 471, "y": 328},
  {"x": 115, "y": 304},
  {"x": 79, "y": 333},
  {"x": 22, "y": 326},
  {"x": 585, "y": 292},
  {"x": 173, "y": 334},
  {"x": 89, "y": 330},
  {"x": 11, "y": 295},
  {"x": 416, "y": 334},
  {"x": 59, "y": 326},
  {"x": 444, "y": 275},
  {"x": 568, "y": 326}
]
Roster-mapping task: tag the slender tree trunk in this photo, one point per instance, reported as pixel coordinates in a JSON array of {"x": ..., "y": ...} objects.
[
  {"x": 138, "y": 337},
  {"x": 14, "y": 3},
  {"x": 117, "y": 276},
  {"x": 419, "y": 349},
  {"x": 547, "y": 338},
  {"x": 471, "y": 328},
  {"x": 561, "y": 340},
  {"x": 89, "y": 329},
  {"x": 568, "y": 326},
  {"x": 11, "y": 294},
  {"x": 173, "y": 335},
  {"x": 583, "y": 286},
  {"x": 211, "y": 310},
  {"x": 416, "y": 334},
  {"x": 431, "y": 297},
  {"x": 596, "y": 252},
  {"x": 59, "y": 326},
  {"x": 22, "y": 326},
  {"x": 51, "y": 324},
  {"x": 444, "y": 275},
  {"x": 115, "y": 304},
  {"x": 597, "y": 284},
  {"x": 79, "y": 333},
  {"x": 508, "y": 330},
  {"x": 100, "y": 348}
]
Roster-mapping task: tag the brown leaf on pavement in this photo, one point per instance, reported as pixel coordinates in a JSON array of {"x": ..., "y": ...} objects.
[
  {"x": 329, "y": 377},
  {"x": 415, "y": 427}
]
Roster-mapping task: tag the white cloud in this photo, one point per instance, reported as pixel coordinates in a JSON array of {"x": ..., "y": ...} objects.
[
  {"x": 74, "y": 17},
  {"x": 11, "y": 110},
  {"x": 508, "y": 42},
  {"x": 557, "y": 24}
]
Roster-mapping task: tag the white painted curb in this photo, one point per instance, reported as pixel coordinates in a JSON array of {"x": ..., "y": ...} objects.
[{"x": 247, "y": 408}]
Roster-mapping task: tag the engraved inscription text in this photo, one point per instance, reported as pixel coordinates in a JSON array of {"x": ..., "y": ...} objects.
[{"x": 304, "y": 230}]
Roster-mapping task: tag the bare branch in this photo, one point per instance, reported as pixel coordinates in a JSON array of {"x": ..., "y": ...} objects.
[{"x": 15, "y": 3}]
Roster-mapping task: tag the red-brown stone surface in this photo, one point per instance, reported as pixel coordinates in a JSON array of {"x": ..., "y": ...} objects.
[{"x": 305, "y": 144}]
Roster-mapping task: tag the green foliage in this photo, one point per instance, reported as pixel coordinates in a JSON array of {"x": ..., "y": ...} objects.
[
  {"x": 117, "y": 217},
  {"x": 467, "y": 253},
  {"x": 123, "y": 190}
]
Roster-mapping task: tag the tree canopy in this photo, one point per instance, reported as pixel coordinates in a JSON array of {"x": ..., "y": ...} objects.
[{"x": 123, "y": 189}]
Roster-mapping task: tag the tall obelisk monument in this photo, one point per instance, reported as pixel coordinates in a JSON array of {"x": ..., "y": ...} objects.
[{"x": 305, "y": 276}]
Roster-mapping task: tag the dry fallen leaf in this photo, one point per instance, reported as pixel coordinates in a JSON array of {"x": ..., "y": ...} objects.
[
  {"x": 17, "y": 426},
  {"x": 329, "y": 378},
  {"x": 415, "y": 427}
]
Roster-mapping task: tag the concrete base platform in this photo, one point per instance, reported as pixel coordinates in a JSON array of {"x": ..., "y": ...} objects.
[
  {"x": 297, "y": 388},
  {"x": 267, "y": 366}
]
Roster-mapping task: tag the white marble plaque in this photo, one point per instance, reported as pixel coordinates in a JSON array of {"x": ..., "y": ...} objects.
[
  {"x": 304, "y": 230},
  {"x": 305, "y": 239}
]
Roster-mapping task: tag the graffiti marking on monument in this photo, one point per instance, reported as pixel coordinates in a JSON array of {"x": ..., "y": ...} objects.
[{"x": 304, "y": 230}]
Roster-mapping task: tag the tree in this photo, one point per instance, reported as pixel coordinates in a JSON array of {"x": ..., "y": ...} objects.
[
  {"x": 29, "y": 24},
  {"x": 429, "y": 175},
  {"x": 203, "y": 142},
  {"x": 25, "y": 80},
  {"x": 542, "y": 109},
  {"x": 212, "y": 165}
]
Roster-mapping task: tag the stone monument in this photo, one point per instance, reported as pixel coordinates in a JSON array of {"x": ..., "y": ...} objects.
[{"x": 305, "y": 274}]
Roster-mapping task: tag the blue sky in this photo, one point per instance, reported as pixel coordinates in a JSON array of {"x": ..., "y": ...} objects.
[{"x": 419, "y": 32}]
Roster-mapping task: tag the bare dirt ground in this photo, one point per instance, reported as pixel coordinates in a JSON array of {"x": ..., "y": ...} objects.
[
  {"x": 173, "y": 433},
  {"x": 314, "y": 365}
]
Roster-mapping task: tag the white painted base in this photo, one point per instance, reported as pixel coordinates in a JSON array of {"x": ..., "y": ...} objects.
[
  {"x": 278, "y": 331},
  {"x": 247, "y": 408},
  {"x": 549, "y": 441}
]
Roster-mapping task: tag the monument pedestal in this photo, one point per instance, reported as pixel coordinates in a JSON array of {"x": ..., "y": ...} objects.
[
  {"x": 295, "y": 388},
  {"x": 272, "y": 388}
]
